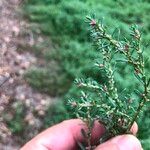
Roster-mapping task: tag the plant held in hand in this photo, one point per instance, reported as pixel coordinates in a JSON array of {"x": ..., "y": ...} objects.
[{"x": 104, "y": 102}]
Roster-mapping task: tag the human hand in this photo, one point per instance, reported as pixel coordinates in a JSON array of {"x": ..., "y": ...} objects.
[{"x": 64, "y": 136}]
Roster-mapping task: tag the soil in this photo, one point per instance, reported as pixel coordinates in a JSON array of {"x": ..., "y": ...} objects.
[{"x": 14, "y": 62}]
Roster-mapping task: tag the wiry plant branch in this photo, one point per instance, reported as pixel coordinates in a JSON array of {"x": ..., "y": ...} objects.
[{"x": 103, "y": 102}]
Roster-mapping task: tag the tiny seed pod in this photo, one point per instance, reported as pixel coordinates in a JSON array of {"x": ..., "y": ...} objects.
[
  {"x": 137, "y": 71},
  {"x": 126, "y": 47},
  {"x": 93, "y": 23},
  {"x": 74, "y": 104}
]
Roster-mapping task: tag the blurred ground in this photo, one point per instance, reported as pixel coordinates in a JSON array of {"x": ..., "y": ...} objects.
[{"x": 14, "y": 91}]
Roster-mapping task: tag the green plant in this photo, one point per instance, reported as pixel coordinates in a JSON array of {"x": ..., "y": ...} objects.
[
  {"x": 63, "y": 21},
  {"x": 14, "y": 118},
  {"x": 47, "y": 79},
  {"x": 55, "y": 114},
  {"x": 114, "y": 108}
]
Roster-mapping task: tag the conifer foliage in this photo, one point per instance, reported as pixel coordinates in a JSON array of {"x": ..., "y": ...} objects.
[{"x": 104, "y": 102}]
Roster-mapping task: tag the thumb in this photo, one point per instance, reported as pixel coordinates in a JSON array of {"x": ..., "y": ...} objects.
[{"x": 123, "y": 142}]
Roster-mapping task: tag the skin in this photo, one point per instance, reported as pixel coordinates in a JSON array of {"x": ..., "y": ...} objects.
[{"x": 64, "y": 136}]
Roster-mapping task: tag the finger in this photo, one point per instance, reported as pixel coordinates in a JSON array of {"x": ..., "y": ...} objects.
[
  {"x": 63, "y": 136},
  {"x": 97, "y": 131},
  {"x": 123, "y": 142},
  {"x": 134, "y": 128}
]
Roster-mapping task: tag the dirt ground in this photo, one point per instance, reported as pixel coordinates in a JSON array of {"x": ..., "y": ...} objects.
[{"x": 13, "y": 64}]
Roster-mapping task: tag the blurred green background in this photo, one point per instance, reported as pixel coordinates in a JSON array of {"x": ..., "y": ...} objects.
[{"x": 72, "y": 55}]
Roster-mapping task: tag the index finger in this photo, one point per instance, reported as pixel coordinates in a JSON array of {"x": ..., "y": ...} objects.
[{"x": 63, "y": 136}]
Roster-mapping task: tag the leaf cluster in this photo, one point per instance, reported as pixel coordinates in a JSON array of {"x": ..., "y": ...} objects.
[{"x": 105, "y": 103}]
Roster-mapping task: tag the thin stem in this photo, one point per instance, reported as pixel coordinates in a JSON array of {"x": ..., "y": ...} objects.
[{"x": 140, "y": 107}]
